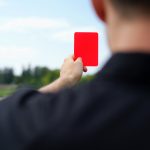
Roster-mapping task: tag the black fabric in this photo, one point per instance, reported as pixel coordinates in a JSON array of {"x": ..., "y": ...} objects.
[{"x": 111, "y": 112}]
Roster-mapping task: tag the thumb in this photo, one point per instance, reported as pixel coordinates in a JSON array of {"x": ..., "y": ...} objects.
[
  {"x": 79, "y": 62},
  {"x": 79, "y": 59}
]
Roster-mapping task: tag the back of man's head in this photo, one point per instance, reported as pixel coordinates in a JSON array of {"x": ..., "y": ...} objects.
[
  {"x": 127, "y": 22},
  {"x": 124, "y": 8},
  {"x": 130, "y": 8}
]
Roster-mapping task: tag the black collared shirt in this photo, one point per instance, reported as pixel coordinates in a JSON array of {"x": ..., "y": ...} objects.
[{"x": 111, "y": 112}]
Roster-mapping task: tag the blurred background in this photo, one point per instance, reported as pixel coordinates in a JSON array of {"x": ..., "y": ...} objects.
[{"x": 37, "y": 35}]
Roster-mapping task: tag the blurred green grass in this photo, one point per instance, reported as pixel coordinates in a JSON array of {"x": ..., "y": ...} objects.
[{"x": 6, "y": 90}]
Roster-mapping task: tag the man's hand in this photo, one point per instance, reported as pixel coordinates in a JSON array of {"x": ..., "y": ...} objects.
[
  {"x": 72, "y": 70},
  {"x": 70, "y": 74}
]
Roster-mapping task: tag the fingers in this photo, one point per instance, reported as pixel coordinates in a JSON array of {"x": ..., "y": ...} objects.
[
  {"x": 79, "y": 60},
  {"x": 85, "y": 69}
]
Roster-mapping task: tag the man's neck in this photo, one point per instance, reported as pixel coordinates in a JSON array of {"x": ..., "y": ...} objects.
[{"x": 131, "y": 37}]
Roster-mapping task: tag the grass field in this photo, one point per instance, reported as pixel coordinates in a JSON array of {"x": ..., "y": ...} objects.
[{"x": 6, "y": 90}]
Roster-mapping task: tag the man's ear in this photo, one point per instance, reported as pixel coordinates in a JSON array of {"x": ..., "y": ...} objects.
[{"x": 100, "y": 9}]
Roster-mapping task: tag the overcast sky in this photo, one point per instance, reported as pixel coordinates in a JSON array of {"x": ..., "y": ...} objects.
[{"x": 41, "y": 32}]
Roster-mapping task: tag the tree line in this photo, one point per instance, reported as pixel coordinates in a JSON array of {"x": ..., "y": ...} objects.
[{"x": 34, "y": 77}]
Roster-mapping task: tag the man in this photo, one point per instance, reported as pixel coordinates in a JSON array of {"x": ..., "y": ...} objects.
[{"x": 111, "y": 112}]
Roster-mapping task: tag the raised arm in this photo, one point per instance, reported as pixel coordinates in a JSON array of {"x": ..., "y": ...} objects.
[{"x": 70, "y": 74}]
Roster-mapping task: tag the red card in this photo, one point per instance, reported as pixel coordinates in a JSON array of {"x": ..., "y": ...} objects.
[{"x": 86, "y": 47}]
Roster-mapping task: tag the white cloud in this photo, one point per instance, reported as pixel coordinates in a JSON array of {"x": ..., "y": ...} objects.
[
  {"x": 22, "y": 24},
  {"x": 16, "y": 57},
  {"x": 12, "y": 53},
  {"x": 67, "y": 35}
]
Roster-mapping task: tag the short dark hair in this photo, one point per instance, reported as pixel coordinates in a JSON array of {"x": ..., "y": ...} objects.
[{"x": 132, "y": 7}]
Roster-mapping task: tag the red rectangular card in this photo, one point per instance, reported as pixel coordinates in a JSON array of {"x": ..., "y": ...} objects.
[{"x": 86, "y": 47}]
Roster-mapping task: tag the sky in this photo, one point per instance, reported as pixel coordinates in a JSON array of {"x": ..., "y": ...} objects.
[{"x": 41, "y": 32}]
